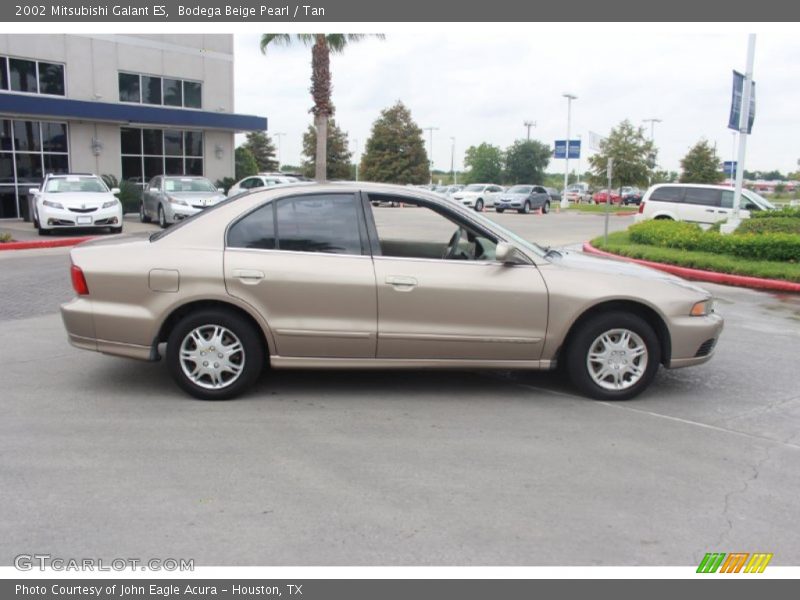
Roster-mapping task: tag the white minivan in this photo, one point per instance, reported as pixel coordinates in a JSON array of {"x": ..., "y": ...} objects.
[{"x": 704, "y": 204}]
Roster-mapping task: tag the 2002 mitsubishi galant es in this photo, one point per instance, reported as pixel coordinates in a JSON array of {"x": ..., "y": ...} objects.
[{"x": 306, "y": 277}]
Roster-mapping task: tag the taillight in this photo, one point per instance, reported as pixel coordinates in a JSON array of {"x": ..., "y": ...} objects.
[
  {"x": 78, "y": 281},
  {"x": 641, "y": 207}
]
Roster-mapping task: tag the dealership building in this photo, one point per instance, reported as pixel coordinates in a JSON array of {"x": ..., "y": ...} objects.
[{"x": 131, "y": 106}]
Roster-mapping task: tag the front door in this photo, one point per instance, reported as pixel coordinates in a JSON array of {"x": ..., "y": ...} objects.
[
  {"x": 302, "y": 261},
  {"x": 442, "y": 295}
]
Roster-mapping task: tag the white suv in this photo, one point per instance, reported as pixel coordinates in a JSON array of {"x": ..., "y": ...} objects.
[
  {"x": 704, "y": 204},
  {"x": 478, "y": 195}
]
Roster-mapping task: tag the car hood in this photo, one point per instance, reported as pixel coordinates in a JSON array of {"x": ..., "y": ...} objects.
[
  {"x": 585, "y": 262},
  {"x": 460, "y": 195},
  {"x": 513, "y": 196},
  {"x": 78, "y": 199},
  {"x": 191, "y": 196}
]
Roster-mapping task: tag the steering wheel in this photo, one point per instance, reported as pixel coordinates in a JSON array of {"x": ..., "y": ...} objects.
[{"x": 452, "y": 245}]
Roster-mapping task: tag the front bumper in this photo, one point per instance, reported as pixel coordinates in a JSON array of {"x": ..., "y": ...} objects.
[
  {"x": 179, "y": 212},
  {"x": 54, "y": 218},
  {"x": 693, "y": 339}
]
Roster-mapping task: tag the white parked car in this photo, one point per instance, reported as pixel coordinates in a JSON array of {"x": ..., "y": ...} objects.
[
  {"x": 256, "y": 182},
  {"x": 76, "y": 200},
  {"x": 704, "y": 204},
  {"x": 478, "y": 195}
]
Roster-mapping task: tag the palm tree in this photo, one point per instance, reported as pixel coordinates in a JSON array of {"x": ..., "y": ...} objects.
[{"x": 322, "y": 45}]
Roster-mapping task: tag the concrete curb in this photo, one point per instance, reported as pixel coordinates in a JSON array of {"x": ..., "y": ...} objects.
[
  {"x": 775, "y": 285},
  {"x": 44, "y": 243}
]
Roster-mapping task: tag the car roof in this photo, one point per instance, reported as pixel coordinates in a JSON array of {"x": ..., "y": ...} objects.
[{"x": 695, "y": 185}]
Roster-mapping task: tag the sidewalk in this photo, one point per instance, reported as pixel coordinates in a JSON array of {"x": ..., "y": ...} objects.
[{"x": 25, "y": 232}]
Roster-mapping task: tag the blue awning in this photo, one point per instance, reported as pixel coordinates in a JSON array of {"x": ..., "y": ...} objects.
[{"x": 65, "y": 109}]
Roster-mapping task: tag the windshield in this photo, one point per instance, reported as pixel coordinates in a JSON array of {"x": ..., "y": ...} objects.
[
  {"x": 475, "y": 187},
  {"x": 188, "y": 184},
  {"x": 760, "y": 200},
  {"x": 59, "y": 185},
  {"x": 520, "y": 189}
]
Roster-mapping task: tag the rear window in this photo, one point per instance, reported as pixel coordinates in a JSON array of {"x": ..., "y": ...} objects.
[
  {"x": 667, "y": 194},
  {"x": 324, "y": 223},
  {"x": 703, "y": 196}
]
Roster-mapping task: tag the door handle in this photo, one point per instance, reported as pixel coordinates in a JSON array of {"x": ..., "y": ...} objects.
[
  {"x": 709, "y": 210},
  {"x": 250, "y": 276},
  {"x": 401, "y": 282}
]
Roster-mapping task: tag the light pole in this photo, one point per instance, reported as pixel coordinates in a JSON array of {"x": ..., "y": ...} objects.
[
  {"x": 279, "y": 135},
  {"x": 528, "y": 125},
  {"x": 733, "y": 158},
  {"x": 453, "y": 159},
  {"x": 570, "y": 98},
  {"x": 579, "y": 157},
  {"x": 431, "y": 130},
  {"x": 652, "y": 122}
]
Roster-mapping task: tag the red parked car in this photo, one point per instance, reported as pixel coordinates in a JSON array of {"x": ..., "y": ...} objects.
[{"x": 601, "y": 196}]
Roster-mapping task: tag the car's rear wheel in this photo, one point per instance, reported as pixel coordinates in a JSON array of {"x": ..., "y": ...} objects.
[
  {"x": 613, "y": 356},
  {"x": 214, "y": 354},
  {"x": 526, "y": 208},
  {"x": 162, "y": 218},
  {"x": 479, "y": 205},
  {"x": 142, "y": 214}
]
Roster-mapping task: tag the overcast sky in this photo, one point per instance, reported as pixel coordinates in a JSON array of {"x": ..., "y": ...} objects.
[{"x": 480, "y": 87}]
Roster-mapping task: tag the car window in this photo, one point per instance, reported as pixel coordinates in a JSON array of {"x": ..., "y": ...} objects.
[
  {"x": 255, "y": 230},
  {"x": 703, "y": 196},
  {"x": 666, "y": 194},
  {"x": 745, "y": 203},
  {"x": 320, "y": 223},
  {"x": 433, "y": 236},
  {"x": 155, "y": 182}
]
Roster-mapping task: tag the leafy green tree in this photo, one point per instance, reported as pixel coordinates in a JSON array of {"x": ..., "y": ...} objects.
[
  {"x": 395, "y": 150},
  {"x": 664, "y": 177},
  {"x": 245, "y": 163},
  {"x": 322, "y": 46},
  {"x": 263, "y": 150},
  {"x": 338, "y": 163},
  {"x": 701, "y": 164},
  {"x": 526, "y": 161},
  {"x": 485, "y": 164},
  {"x": 634, "y": 157}
]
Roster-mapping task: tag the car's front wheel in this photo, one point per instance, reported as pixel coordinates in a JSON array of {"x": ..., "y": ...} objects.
[
  {"x": 526, "y": 208},
  {"x": 546, "y": 207},
  {"x": 479, "y": 205},
  {"x": 499, "y": 210},
  {"x": 162, "y": 218},
  {"x": 143, "y": 217},
  {"x": 214, "y": 354},
  {"x": 613, "y": 356}
]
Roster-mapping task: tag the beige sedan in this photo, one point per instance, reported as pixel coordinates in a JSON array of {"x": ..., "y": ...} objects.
[{"x": 307, "y": 277}]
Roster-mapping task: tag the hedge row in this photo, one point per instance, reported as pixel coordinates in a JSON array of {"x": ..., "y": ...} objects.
[
  {"x": 792, "y": 212},
  {"x": 688, "y": 236},
  {"x": 781, "y": 225}
]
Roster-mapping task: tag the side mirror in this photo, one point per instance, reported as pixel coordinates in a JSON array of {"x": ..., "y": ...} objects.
[
  {"x": 115, "y": 191},
  {"x": 33, "y": 191},
  {"x": 509, "y": 254}
]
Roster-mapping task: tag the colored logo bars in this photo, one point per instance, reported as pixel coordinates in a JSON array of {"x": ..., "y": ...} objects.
[{"x": 735, "y": 562}]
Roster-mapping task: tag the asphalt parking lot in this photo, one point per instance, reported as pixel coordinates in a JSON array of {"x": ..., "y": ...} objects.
[{"x": 105, "y": 457}]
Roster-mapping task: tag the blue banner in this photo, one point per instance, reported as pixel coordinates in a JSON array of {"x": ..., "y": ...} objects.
[
  {"x": 561, "y": 149},
  {"x": 736, "y": 103}
]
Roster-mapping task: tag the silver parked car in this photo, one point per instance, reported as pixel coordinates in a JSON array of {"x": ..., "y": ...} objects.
[
  {"x": 523, "y": 199},
  {"x": 170, "y": 199}
]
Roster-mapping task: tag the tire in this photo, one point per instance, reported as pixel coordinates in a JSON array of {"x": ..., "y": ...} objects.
[
  {"x": 43, "y": 231},
  {"x": 142, "y": 214},
  {"x": 162, "y": 218},
  {"x": 526, "y": 209},
  {"x": 116, "y": 230},
  {"x": 479, "y": 205},
  {"x": 622, "y": 380},
  {"x": 546, "y": 208},
  {"x": 663, "y": 218},
  {"x": 206, "y": 323},
  {"x": 500, "y": 210}
]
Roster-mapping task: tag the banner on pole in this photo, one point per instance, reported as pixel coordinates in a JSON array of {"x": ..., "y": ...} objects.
[
  {"x": 561, "y": 149},
  {"x": 736, "y": 103}
]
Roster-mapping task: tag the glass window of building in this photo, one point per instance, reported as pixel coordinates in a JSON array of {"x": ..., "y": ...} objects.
[
  {"x": 164, "y": 91},
  {"x": 173, "y": 92},
  {"x": 51, "y": 79},
  {"x": 147, "y": 153},
  {"x": 129, "y": 88},
  {"x": 23, "y": 75},
  {"x": 192, "y": 92}
]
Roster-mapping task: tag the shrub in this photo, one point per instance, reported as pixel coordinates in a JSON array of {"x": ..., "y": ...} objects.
[
  {"x": 786, "y": 212},
  {"x": 225, "y": 183},
  {"x": 775, "y": 246},
  {"x": 776, "y": 225},
  {"x": 6, "y": 237}
]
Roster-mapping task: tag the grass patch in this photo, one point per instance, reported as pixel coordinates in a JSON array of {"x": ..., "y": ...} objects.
[
  {"x": 6, "y": 237},
  {"x": 601, "y": 208},
  {"x": 620, "y": 243}
]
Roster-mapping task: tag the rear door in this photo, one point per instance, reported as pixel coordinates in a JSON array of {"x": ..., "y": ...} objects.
[
  {"x": 703, "y": 205},
  {"x": 303, "y": 262}
]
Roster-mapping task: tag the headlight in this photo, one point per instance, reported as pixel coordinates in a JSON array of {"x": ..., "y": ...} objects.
[
  {"x": 110, "y": 203},
  {"x": 704, "y": 308},
  {"x": 52, "y": 204},
  {"x": 174, "y": 200}
]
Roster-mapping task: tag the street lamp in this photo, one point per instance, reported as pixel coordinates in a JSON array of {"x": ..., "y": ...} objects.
[
  {"x": 528, "y": 125},
  {"x": 570, "y": 98},
  {"x": 431, "y": 130},
  {"x": 453, "y": 159},
  {"x": 652, "y": 122},
  {"x": 279, "y": 135}
]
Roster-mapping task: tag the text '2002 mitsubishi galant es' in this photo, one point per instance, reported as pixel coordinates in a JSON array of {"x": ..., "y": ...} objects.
[{"x": 306, "y": 277}]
